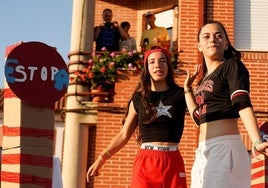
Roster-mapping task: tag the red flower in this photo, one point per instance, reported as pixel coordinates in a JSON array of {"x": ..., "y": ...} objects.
[
  {"x": 111, "y": 65},
  {"x": 83, "y": 77},
  {"x": 76, "y": 73},
  {"x": 90, "y": 75},
  {"x": 84, "y": 70},
  {"x": 103, "y": 69},
  {"x": 100, "y": 88}
]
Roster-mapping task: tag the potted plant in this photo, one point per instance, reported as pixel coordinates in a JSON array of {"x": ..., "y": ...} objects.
[{"x": 100, "y": 73}]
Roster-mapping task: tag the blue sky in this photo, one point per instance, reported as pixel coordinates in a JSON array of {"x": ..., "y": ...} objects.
[{"x": 47, "y": 21}]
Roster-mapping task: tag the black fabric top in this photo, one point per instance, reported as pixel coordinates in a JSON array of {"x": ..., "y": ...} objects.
[
  {"x": 221, "y": 94},
  {"x": 169, "y": 124},
  {"x": 109, "y": 38}
]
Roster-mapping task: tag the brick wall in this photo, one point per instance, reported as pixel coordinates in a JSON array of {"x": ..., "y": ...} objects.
[{"x": 116, "y": 173}]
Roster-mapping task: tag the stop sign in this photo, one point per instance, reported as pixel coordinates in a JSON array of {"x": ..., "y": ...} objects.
[{"x": 36, "y": 73}]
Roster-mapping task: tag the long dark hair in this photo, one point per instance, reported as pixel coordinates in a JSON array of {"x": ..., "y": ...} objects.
[{"x": 144, "y": 86}]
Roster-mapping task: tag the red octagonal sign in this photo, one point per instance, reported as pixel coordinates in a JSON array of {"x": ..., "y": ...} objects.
[{"x": 36, "y": 73}]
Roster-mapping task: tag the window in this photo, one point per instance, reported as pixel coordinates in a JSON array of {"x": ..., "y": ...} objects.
[
  {"x": 165, "y": 19},
  {"x": 251, "y": 25}
]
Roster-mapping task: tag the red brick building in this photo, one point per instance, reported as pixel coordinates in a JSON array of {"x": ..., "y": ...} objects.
[
  {"x": 246, "y": 23},
  {"x": 247, "y": 31},
  {"x": 188, "y": 16}
]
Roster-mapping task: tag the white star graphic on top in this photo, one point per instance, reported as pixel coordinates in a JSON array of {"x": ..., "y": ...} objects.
[{"x": 163, "y": 110}]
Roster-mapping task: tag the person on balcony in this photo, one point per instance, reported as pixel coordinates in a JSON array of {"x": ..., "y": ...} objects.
[
  {"x": 157, "y": 110},
  {"x": 108, "y": 33},
  {"x": 155, "y": 35},
  {"x": 129, "y": 44}
]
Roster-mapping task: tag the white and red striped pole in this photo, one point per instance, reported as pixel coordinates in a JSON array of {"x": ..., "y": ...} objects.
[
  {"x": 36, "y": 77},
  {"x": 259, "y": 168},
  {"x": 27, "y": 156}
]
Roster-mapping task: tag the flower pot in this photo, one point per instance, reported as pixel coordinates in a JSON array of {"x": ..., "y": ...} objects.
[
  {"x": 97, "y": 96},
  {"x": 106, "y": 95}
]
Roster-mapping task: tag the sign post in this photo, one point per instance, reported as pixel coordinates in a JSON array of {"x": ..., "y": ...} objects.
[
  {"x": 259, "y": 169},
  {"x": 36, "y": 77}
]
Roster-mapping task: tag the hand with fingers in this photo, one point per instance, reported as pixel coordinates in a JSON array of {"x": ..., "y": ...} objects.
[
  {"x": 94, "y": 169},
  {"x": 261, "y": 147},
  {"x": 191, "y": 77}
]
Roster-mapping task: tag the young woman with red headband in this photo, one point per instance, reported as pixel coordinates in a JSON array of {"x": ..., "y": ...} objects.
[{"x": 157, "y": 108}]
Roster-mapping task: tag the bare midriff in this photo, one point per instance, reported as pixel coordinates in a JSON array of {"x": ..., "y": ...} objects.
[{"x": 218, "y": 128}]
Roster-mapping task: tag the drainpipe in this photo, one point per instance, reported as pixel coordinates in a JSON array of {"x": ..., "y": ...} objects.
[{"x": 201, "y": 21}]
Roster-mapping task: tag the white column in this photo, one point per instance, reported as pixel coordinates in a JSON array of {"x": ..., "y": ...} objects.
[{"x": 76, "y": 124}]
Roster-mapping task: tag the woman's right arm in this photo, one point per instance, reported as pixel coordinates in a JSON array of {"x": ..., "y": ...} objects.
[
  {"x": 190, "y": 101},
  {"x": 117, "y": 142},
  {"x": 189, "y": 97}
]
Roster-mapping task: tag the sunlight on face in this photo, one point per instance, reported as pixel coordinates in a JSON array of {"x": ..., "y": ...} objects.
[
  {"x": 157, "y": 66},
  {"x": 107, "y": 16},
  {"x": 212, "y": 41}
]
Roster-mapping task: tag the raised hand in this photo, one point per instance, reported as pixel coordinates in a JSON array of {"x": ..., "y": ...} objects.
[{"x": 191, "y": 77}]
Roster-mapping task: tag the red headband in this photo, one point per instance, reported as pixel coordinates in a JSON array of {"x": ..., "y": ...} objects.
[{"x": 149, "y": 52}]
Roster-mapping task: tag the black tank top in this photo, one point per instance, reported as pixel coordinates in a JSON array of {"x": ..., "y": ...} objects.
[{"x": 169, "y": 124}]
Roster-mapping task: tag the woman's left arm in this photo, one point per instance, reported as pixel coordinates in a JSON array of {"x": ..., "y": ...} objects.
[{"x": 250, "y": 122}]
